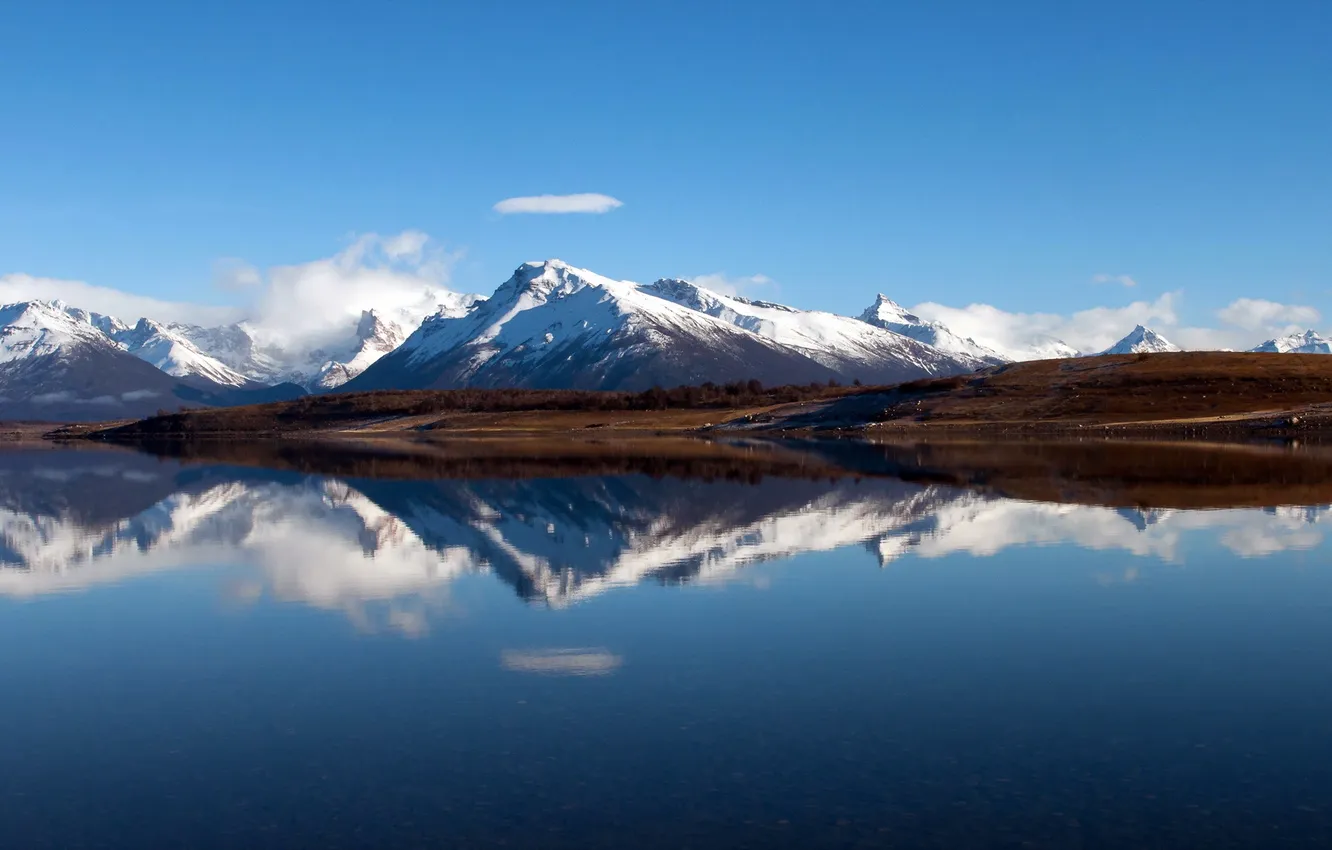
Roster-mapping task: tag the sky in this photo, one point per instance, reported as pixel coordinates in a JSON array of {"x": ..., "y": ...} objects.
[{"x": 1013, "y": 168}]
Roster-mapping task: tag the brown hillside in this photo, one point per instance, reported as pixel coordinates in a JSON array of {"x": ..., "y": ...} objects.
[{"x": 1181, "y": 391}]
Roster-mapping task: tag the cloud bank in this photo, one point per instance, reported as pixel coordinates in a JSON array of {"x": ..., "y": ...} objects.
[
  {"x": 558, "y": 204},
  {"x": 1242, "y": 324},
  {"x": 1087, "y": 330}
]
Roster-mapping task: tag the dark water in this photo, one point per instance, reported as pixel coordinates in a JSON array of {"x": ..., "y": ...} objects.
[{"x": 211, "y": 656}]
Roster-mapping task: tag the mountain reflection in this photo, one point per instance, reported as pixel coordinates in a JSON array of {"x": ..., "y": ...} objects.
[{"x": 76, "y": 519}]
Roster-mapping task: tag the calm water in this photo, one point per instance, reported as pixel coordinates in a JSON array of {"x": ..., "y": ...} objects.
[{"x": 210, "y": 656}]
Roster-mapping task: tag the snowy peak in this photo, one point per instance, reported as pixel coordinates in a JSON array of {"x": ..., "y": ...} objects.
[
  {"x": 885, "y": 312},
  {"x": 31, "y": 329},
  {"x": 546, "y": 279},
  {"x": 376, "y": 336},
  {"x": 888, "y": 314},
  {"x": 108, "y": 325},
  {"x": 175, "y": 354},
  {"x": 39, "y": 328},
  {"x": 1309, "y": 342},
  {"x": 1142, "y": 340}
]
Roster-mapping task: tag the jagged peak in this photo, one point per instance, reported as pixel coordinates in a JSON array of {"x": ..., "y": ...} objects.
[
  {"x": 369, "y": 323},
  {"x": 146, "y": 325},
  {"x": 543, "y": 278},
  {"x": 1308, "y": 341},
  {"x": 885, "y": 309}
]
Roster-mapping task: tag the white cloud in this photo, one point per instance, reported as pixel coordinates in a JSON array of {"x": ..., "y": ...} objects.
[
  {"x": 409, "y": 245},
  {"x": 310, "y": 303},
  {"x": 1246, "y": 322},
  {"x": 113, "y": 302},
  {"x": 1121, "y": 279},
  {"x": 581, "y": 203},
  {"x": 233, "y": 275},
  {"x": 1256, "y": 314},
  {"x": 727, "y": 285},
  {"x": 1087, "y": 330},
  {"x": 1243, "y": 324}
]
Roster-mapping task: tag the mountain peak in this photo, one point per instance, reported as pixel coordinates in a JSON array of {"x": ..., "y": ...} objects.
[
  {"x": 544, "y": 278},
  {"x": 1142, "y": 340},
  {"x": 369, "y": 324},
  {"x": 1306, "y": 342},
  {"x": 887, "y": 314},
  {"x": 885, "y": 311}
]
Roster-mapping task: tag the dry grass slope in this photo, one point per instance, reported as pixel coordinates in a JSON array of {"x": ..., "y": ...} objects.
[{"x": 1184, "y": 392}]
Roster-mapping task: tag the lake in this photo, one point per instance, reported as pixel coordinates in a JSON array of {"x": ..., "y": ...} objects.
[{"x": 293, "y": 652}]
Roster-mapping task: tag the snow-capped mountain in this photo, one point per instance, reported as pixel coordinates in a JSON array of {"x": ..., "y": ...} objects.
[
  {"x": 375, "y": 337},
  {"x": 838, "y": 342},
  {"x": 227, "y": 364},
  {"x": 31, "y": 330},
  {"x": 57, "y": 364},
  {"x": 175, "y": 354},
  {"x": 1142, "y": 340},
  {"x": 554, "y": 325},
  {"x": 888, "y": 314},
  {"x": 1309, "y": 342},
  {"x": 550, "y": 325}
]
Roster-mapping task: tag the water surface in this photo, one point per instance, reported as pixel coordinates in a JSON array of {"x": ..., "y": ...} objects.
[{"x": 199, "y": 654}]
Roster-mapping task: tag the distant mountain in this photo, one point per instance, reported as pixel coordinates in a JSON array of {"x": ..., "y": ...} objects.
[
  {"x": 348, "y": 352},
  {"x": 1309, "y": 342},
  {"x": 1142, "y": 340},
  {"x": 554, "y": 325},
  {"x": 1044, "y": 348},
  {"x": 889, "y": 315},
  {"x": 175, "y": 354},
  {"x": 375, "y": 337},
  {"x": 59, "y": 365}
]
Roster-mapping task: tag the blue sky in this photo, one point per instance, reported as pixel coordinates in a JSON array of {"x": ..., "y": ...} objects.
[{"x": 952, "y": 152}]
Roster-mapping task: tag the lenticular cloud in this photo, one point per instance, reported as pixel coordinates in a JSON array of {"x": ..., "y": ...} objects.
[{"x": 555, "y": 204}]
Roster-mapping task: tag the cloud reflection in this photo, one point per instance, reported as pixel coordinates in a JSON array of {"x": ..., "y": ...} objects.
[{"x": 584, "y": 661}]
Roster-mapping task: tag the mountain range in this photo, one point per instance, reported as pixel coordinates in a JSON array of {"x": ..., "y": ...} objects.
[{"x": 550, "y": 325}]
